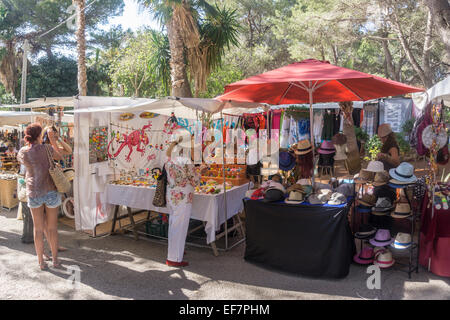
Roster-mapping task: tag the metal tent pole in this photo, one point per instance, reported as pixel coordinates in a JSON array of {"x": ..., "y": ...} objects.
[
  {"x": 311, "y": 125},
  {"x": 224, "y": 187}
]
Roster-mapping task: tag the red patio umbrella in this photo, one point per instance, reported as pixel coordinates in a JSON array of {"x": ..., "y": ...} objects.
[{"x": 311, "y": 81}]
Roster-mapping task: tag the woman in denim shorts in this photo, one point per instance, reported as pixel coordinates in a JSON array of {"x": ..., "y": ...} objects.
[{"x": 43, "y": 198}]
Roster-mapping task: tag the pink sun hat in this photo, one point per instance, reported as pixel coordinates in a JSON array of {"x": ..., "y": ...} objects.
[
  {"x": 365, "y": 256},
  {"x": 327, "y": 147}
]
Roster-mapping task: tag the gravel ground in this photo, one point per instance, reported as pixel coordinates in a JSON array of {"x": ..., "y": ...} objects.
[{"x": 118, "y": 267}]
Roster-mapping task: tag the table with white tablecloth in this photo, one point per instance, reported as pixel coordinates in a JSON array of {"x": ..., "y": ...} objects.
[{"x": 209, "y": 208}]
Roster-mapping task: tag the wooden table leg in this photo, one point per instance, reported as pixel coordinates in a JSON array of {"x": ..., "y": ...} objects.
[
  {"x": 130, "y": 215},
  {"x": 116, "y": 211},
  {"x": 214, "y": 248},
  {"x": 241, "y": 225}
]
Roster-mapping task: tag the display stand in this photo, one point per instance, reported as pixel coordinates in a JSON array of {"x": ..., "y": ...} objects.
[
  {"x": 415, "y": 216},
  {"x": 133, "y": 227},
  {"x": 413, "y": 264}
]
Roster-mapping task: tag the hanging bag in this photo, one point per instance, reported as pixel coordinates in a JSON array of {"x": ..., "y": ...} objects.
[
  {"x": 159, "y": 200},
  {"x": 61, "y": 182}
]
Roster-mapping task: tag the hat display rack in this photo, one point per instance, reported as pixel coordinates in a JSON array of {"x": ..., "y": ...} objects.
[
  {"x": 437, "y": 126},
  {"x": 364, "y": 182}
]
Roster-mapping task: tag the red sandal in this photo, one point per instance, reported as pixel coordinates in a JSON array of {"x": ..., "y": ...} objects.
[{"x": 177, "y": 264}]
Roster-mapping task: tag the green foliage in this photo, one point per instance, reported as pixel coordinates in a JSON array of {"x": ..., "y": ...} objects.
[
  {"x": 360, "y": 134},
  {"x": 7, "y": 98},
  {"x": 52, "y": 77},
  {"x": 407, "y": 127},
  {"x": 402, "y": 143},
  {"x": 219, "y": 78},
  {"x": 373, "y": 147},
  {"x": 141, "y": 69}
]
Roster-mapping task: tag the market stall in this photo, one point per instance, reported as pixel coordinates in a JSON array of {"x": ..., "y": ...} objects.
[
  {"x": 119, "y": 145},
  {"x": 310, "y": 81},
  {"x": 431, "y": 139}
]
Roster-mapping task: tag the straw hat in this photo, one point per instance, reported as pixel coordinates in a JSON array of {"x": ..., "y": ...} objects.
[
  {"x": 384, "y": 259},
  {"x": 364, "y": 176},
  {"x": 303, "y": 147},
  {"x": 384, "y": 130},
  {"x": 375, "y": 166},
  {"x": 402, "y": 210},
  {"x": 295, "y": 197},
  {"x": 368, "y": 200},
  {"x": 381, "y": 178},
  {"x": 402, "y": 241}
]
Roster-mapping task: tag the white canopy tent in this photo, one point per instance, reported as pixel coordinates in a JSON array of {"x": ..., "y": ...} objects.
[
  {"x": 13, "y": 118},
  {"x": 67, "y": 102},
  {"x": 440, "y": 90}
]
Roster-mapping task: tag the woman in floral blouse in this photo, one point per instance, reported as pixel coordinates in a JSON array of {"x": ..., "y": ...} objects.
[{"x": 182, "y": 178}]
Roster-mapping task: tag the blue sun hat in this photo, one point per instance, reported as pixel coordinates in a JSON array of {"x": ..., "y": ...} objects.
[
  {"x": 403, "y": 174},
  {"x": 286, "y": 161}
]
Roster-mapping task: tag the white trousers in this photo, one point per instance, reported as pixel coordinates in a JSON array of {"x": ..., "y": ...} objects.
[{"x": 178, "y": 226}]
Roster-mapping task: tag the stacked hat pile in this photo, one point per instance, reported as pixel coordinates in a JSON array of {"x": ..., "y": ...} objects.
[{"x": 380, "y": 239}]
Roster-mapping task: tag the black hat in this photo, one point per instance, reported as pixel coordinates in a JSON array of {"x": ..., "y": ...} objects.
[
  {"x": 273, "y": 195},
  {"x": 365, "y": 231}
]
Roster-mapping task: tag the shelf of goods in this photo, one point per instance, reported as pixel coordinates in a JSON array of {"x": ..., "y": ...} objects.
[{"x": 235, "y": 174}]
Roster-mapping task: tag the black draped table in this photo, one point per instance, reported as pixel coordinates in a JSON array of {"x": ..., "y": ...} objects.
[{"x": 305, "y": 239}]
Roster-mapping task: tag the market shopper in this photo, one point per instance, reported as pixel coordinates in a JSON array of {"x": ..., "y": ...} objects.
[
  {"x": 182, "y": 178},
  {"x": 390, "y": 151},
  {"x": 41, "y": 191}
]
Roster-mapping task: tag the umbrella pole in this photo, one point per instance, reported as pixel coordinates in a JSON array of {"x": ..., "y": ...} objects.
[
  {"x": 224, "y": 187},
  {"x": 311, "y": 130}
]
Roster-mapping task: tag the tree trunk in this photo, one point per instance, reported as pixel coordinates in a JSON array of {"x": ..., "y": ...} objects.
[
  {"x": 9, "y": 69},
  {"x": 81, "y": 47},
  {"x": 180, "y": 82},
  {"x": 440, "y": 11},
  {"x": 426, "y": 80}
]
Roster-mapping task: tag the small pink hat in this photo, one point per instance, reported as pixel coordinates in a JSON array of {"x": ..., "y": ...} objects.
[
  {"x": 327, "y": 147},
  {"x": 365, "y": 256}
]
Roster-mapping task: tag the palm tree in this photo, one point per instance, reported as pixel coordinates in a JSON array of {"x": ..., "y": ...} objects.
[
  {"x": 198, "y": 34},
  {"x": 81, "y": 46}
]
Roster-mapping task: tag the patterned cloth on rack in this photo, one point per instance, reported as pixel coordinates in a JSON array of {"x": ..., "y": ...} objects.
[
  {"x": 304, "y": 129},
  {"x": 285, "y": 129},
  {"x": 293, "y": 131},
  {"x": 317, "y": 126},
  {"x": 370, "y": 120}
]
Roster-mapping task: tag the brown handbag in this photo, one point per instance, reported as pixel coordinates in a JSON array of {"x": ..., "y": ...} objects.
[
  {"x": 61, "y": 182},
  {"x": 159, "y": 200}
]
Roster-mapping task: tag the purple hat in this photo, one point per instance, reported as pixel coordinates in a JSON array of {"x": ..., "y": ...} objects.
[
  {"x": 364, "y": 257},
  {"x": 382, "y": 238},
  {"x": 327, "y": 147}
]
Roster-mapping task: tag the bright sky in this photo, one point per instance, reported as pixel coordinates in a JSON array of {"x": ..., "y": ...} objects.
[{"x": 134, "y": 17}]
